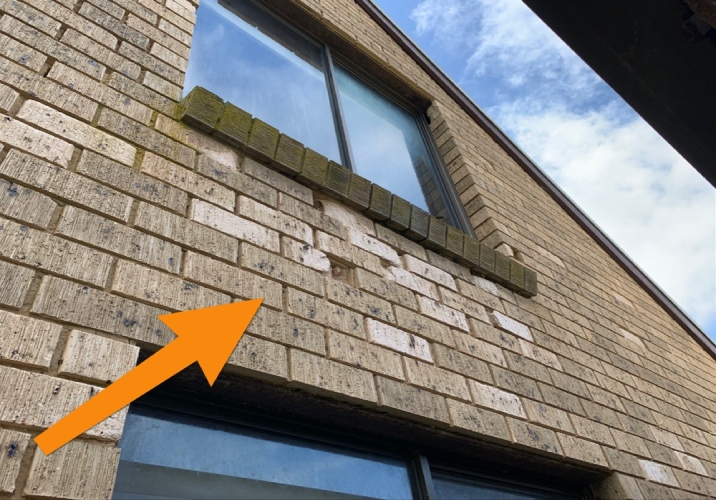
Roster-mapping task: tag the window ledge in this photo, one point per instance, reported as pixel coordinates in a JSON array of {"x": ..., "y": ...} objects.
[{"x": 208, "y": 112}]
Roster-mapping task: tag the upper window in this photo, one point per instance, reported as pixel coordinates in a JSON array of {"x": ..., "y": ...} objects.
[{"x": 253, "y": 59}]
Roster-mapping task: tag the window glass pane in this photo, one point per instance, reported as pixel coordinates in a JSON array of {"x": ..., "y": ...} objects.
[
  {"x": 254, "y": 61},
  {"x": 387, "y": 145},
  {"x": 454, "y": 486},
  {"x": 171, "y": 455}
]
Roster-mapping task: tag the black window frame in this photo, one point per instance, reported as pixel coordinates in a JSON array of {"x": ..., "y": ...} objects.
[{"x": 453, "y": 204}]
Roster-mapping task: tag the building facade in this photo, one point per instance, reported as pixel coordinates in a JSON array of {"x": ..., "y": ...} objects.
[{"x": 475, "y": 335}]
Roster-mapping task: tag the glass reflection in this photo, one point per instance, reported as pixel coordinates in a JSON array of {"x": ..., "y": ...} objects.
[
  {"x": 171, "y": 455},
  {"x": 455, "y": 486},
  {"x": 254, "y": 61},
  {"x": 386, "y": 144}
]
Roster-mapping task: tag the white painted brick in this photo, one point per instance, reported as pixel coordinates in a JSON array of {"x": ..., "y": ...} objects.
[
  {"x": 305, "y": 254},
  {"x": 429, "y": 272},
  {"x": 497, "y": 399},
  {"x": 97, "y": 358},
  {"x": 512, "y": 326},
  {"x": 658, "y": 473},
  {"x": 690, "y": 463},
  {"x": 362, "y": 240},
  {"x": 27, "y": 340},
  {"x": 235, "y": 226},
  {"x": 540, "y": 355},
  {"x": 76, "y": 131},
  {"x": 413, "y": 281},
  {"x": 440, "y": 312},
  {"x": 398, "y": 340},
  {"x": 22, "y": 136},
  {"x": 274, "y": 219}
]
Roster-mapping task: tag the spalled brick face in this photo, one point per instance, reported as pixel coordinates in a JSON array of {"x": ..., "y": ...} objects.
[{"x": 113, "y": 212}]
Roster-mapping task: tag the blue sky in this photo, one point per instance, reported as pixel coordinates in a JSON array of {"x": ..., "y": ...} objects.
[{"x": 647, "y": 198}]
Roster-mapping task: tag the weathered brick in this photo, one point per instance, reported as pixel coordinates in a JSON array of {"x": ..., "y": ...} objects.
[
  {"x": 479, "y": 295},
  {"x": 165, "y": 290},
  {"x": 15, "y": 443},
  {"x": 280, "y": 269},
  {"x": 630, "y": 443},
  {"x": 436, "y": 379},
  {"x": 357, "y": 300},
  {"x": 186, "y": 233},
  {"x": 690, "y": 463},
  {"x": 548, "y": 416},
  {"x": 277, "y": 180},
  {"x": 40, "y": 400},
  {"x": 323, "y": 376},
  {"x": 443, "y": 313},
  {"x": 66, "y": 185},
  {"x": 373, "y": 245},
  {"x": 137, "y": 133},
  {"x": 100, "y": 93},
  {"x": 174, "y": 32},
  {"x": 289, "y": 330},
  {"x": 157, "y": 35},
  {"x": 463, "y": 304},
  {"x": 508, "y": 324},
  {"x": 305, "y": 254},
  {"x": 94, "y": 230},
  {"x": 46, "y": 251},
  {"x": 469, "y": 366},
  {"x": 96, "y": 52},
  {"x": 164, "y": 87},
  {"x": 413, "y": 282},
  {"x": 534, "y": 436},
  {"x": 380, "y": 202},
  {"x": 8, "y": 98},
  {"x": 56, "y": 475},
  {"x": 658, "y": 473},
  {"x": 259, "y": 358},
  {"x": 146, "y": 96},
  {"x": 151, "y": 63},
  {"x": 143, "y": 11},
  {"x": 399, "y": 243},
  {"x": 454, "y": 243},
  {"x": 15, "y": 284},
  {"x": 346, "y": 253},
  {"x": 324, "y": 313},
  {"x": 429, "y": 272},
  {"x": 411, "y": 402},
  {"x": 84, "y": 306},
  {"x": 233, "y": 126},
  {"x": 33, "y": 17},
  {"x": 226, "y": 175},
  {"x": 358, "y": 353},
  {"x": 97, "y": 359},
  {"x": 115, "y": 26},
  {"x": 164, "y": 54},
  {"x": 281, "y": 222},
  {"x": 383, "y": 288},
  {"x": 423, "y": 326},
  {"x": 540, "y": 355},
  {"x": 346, "y": 215},
  {"x": 28, "y": 341},
  {"x": 496, "y": 399},
  {"x": 26, "y": 205},
  {"x": 516, "y": 383},
  {"x": 479, "y": 349},
  {"x": 358, "y": 192},
  {"x": 232, "y": 280},
  {"x": 186, "y": 180},
  {"x": 337, "y": 181},
  {"x": 19, "y": 135},
  {"x": 77, "y": 132},
  {"x": 235, "y": 226},
  {"x": 109, "y": 7},
  {"x": 398, "y": 340},
  {"x": 478, "y": 421},
  {"x": 196, "y": 139},
  {"x": 399, "y": 219},
  {"x": 314, "y": 169},
  {"x": 20, "y": 53},
  {"x": 582, "y": 450},
  {"x": 419, "y": 222}
]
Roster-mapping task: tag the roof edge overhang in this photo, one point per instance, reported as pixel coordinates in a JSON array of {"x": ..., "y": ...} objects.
[{"x": 539, "y": 176}]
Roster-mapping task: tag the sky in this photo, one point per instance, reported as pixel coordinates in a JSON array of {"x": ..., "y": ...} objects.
[{"x": 619, "y": 171}]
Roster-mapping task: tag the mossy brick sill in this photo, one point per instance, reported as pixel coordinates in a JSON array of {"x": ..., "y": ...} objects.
[{"x": 209, "y": 113}]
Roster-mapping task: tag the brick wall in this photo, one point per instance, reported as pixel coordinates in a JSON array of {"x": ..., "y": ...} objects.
[{"x": 113, "y": 212}]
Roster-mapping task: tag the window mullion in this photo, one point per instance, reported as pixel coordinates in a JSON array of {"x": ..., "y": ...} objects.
[
  {"x": 341, "y": 129},
  {"x": 425, "y": 479}
]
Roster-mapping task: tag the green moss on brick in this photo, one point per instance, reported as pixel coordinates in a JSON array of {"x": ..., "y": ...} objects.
[
  {"x": 201, "y": 109},
  {"x": 419, "y": 222},
  {"x": 337, "y": 180},
  {"x": 502, "y": 267},
  {"x": 380, "y": 202},
  {"x": 233, "y": 126},
  {"x": 517, "y": 275},
  {"x": 359, "y": 192},
  {"x": 399, "y": 214},
  {"x": 263, "y": 140},
  {"x": 454, "y": 242},
  {"x": 530, "y": 289},
  {"x": 289, "y": 155},
  {"x": 470, "y": 253},
  {"x": 314, "y": 169},
  {"x": 487, "y": 261},
  {"x": 437, "y": 232}
]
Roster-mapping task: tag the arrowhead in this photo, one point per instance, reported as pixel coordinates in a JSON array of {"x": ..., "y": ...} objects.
[{"x": 211, "y": 334}]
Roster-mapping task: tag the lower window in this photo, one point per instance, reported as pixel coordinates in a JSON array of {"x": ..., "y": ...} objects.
[{"x": 167, "y": 454}]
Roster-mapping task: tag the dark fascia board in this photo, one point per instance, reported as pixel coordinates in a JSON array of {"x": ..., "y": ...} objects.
[{"x": 538, "y": 175}]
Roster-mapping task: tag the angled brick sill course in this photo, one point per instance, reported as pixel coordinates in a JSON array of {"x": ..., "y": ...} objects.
[{"x": 208, "y": 112}]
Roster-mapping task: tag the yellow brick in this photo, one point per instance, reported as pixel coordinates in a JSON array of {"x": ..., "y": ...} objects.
[
  {"x": 97, "y": 359},
  {"x": 19, "y": 135},
  {"x": 25, "y": 205},
  {"x": 15, "y": 284},
  {"x": 27, "y": 341}
]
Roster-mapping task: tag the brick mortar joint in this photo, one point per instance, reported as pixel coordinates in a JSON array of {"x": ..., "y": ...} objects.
[{"x": 207, "y": 112}]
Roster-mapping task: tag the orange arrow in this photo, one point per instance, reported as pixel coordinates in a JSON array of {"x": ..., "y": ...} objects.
[{"x": 208, "y": 336}]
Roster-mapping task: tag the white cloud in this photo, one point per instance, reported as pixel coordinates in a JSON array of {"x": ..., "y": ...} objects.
[{"x": 649, "y": 200}]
